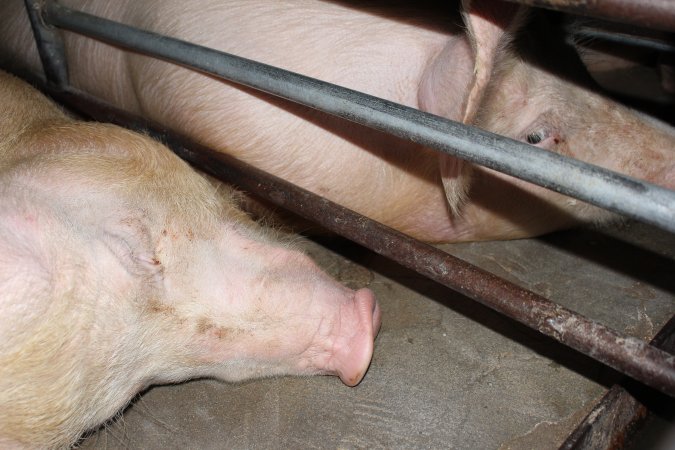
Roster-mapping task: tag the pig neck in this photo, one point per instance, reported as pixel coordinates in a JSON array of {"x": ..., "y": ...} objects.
[
  {"x": 578, "y": 123},
  {"x": 74, "y": 317}
]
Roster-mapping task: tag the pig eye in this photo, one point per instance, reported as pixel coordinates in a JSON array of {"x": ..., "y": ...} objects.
[
  {"x": 128, "y": 240},
  {"x": 536, "y": 137}
]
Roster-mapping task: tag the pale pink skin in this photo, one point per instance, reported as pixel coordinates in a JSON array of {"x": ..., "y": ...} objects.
[
  {"x": 121, "y": 267},
  {"x": 416, "y": 57}
]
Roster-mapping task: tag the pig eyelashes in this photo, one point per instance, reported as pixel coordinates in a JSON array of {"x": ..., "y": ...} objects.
[
  {"x": 542, "y": 136},
  {"x": 536, "y": 137}
]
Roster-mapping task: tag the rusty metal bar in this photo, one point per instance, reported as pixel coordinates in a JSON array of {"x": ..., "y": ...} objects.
[
  {"x": 619, "y": 412},
  {"x": 658, "y": 14},
  {"x": 593, "y": 184},
  {"x": 609, "y": 424},
  {"x": 628, "y": 355}
]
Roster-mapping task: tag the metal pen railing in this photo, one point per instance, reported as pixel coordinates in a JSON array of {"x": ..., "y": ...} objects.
[{"x": 602, "y": 187}]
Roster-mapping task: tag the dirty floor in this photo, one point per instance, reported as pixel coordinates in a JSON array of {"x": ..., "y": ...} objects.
[{"x": 447, "y": 372}]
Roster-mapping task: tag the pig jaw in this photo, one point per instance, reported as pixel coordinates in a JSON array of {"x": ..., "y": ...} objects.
[{"x": 272, "y": 313}]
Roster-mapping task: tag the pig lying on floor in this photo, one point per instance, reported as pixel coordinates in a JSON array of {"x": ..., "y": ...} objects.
[
  {"x": 532, "y": 89},
  {"x": 121, "y": 267}
]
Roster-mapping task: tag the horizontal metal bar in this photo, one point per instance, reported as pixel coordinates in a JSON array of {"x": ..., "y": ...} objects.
[
  {"x": 624, "y": 38},
  {"x": 626, "y": 354},
  {"x": 622, "y": 194},
  {"x": 659, "y": 14}
]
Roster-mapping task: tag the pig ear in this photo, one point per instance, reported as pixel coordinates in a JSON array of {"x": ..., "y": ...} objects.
[
  {"x": 491, "y": 26},
  {"x": 454, "y": 84}
]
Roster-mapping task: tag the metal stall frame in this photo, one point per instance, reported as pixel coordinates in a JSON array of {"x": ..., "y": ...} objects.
[{"x": 628, "y": 196}]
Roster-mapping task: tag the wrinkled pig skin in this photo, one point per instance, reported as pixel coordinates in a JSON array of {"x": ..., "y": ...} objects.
[
  {"x": 411, "y": 53},
  {"x": 121, "y": 267}
]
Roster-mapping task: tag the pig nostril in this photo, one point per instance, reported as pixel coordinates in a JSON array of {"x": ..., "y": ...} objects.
[
  {"x": 353, "y": 356},
  {"x": 365, "y": 299},
  {"x": 364, "y": 295},
  {"x": 377, "y": 319}
]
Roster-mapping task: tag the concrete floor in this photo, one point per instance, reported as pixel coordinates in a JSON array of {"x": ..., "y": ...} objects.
[{"x": 447, "y": 372}]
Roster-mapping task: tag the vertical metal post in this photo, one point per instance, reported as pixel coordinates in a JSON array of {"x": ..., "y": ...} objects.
[{"x": 50, "y": 45}]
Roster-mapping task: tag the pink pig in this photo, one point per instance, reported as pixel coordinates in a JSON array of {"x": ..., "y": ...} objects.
[
  {"x": 121, "y": 267},
  {"x": 412, "y": 54}
]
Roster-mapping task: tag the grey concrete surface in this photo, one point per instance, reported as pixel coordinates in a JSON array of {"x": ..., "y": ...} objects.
[{"x": 447, "y": 372}]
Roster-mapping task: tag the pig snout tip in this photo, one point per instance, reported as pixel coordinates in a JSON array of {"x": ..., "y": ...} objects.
[{"x": 353, "y": 358}]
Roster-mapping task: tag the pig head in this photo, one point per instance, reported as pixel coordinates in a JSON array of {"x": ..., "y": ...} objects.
[
  {"x": 121, "y": 267},
  {"x": 535, "y": 90}
]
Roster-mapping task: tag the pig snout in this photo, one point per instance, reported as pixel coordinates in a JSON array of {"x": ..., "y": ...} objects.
[
  {"x": 352, "y": 344},
  {"x": 275, "y": 312}
]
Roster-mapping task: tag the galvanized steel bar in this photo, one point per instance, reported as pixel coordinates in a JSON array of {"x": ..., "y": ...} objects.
[
  {"x": 659, "y": 14},
  {"x": 628, "y": 355},
  {"x": 622, "y": 194}
]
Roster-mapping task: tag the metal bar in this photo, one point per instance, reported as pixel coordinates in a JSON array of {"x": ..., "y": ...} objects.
[
  {"x": 624, "y": 38},
  {"x": 628, "y": 355},
  {"x": 659, "y": 14},
  {"x": 611, "y": 422},
  {"x": 625, "y": 195},
  {"x": 50, "y": 46}
]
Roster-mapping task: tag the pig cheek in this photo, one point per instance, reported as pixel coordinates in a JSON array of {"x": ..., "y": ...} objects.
[
  {"x": 215, "y": 343},
  {"x": 273, "y": 336}
]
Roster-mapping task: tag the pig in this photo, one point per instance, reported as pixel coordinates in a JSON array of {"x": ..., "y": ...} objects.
[
  {"x": 484, "y": 72},
  {"x": 122, "y": 267}
]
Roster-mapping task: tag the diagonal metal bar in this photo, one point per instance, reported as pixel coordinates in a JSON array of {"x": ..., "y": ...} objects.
[
  {"x": 619, "y": 193},
  {"x": 629, "y": 355},
  {"x": 620, "y": 411}
]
